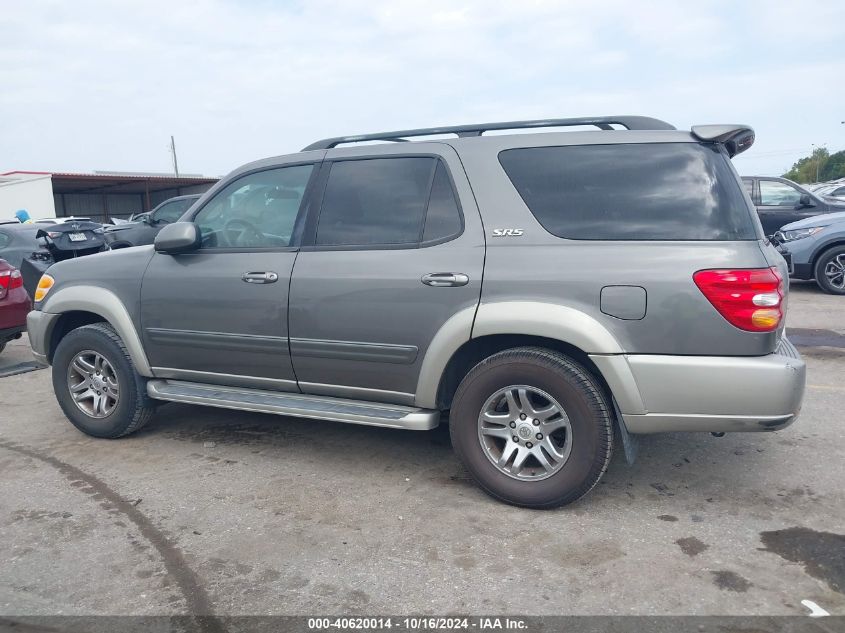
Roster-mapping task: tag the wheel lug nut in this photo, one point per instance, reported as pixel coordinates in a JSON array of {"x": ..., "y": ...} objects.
[
  {"x": 515, "y": 439},
  {"x": 513, "y": 425},
  {"x": 522, "y": 416},
  {"x": 536, "y": 422},
  {"x": 529, "y": 445},
  {"x": 539, "y": 436}
]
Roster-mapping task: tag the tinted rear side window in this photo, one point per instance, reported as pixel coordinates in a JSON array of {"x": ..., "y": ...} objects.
[
  {"x": 638, "y": 191},
  {"x": 443, "y": 219},
  {"x": 375, "y": 201}
]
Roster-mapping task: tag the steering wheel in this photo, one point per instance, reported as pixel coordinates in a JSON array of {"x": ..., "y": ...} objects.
[{"x": 241, "y": 229}]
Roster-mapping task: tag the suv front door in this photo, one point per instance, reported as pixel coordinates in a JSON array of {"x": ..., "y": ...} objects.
[
  {"x": 394, "y": 250},
  {"x": 219, "y": 314},
  {"x": 780, "y": 204}
]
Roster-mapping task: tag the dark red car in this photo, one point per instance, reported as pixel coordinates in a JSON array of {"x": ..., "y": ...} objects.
[{"x": 14, "y": 304}]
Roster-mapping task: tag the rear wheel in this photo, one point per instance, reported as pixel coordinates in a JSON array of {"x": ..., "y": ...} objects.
[
  {"x": 96, "y": 384},
  {"x": 532, "y": 427},
  {"x": 830, "y": 271}
]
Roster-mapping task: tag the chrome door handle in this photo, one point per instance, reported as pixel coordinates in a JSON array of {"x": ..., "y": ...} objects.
[
  {"x": 260, "y": 278},
  {"x": 441, "y": 280}
]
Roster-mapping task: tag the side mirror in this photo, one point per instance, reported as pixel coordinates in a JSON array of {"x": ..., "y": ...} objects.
[
  {"x": 805, "y": 201},
  {"x": 179, "y": 237}
]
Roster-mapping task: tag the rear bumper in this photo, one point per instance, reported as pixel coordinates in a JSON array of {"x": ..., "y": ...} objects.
[
  {"x": 707, "y": 393},
  {"x": 13, "y": 309}
]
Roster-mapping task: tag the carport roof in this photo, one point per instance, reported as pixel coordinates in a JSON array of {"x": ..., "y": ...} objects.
[{"x": 64, "y": 182}]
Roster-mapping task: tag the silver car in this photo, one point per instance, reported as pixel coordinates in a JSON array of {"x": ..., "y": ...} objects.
[{"x": 544, "y": 292}]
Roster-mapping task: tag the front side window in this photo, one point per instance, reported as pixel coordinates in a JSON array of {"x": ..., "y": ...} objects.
[
  {"x": 258, "y": 210},
  {"x": 778, "y": 194},
  {"x": 631, "y": 191},
  {"x": 171, "y": 211}
]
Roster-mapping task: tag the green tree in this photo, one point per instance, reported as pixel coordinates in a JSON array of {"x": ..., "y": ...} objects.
[{"x": 819, "y": 166}]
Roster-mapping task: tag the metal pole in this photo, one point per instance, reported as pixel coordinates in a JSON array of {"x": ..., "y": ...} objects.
[{"x": 173, "y": 150}]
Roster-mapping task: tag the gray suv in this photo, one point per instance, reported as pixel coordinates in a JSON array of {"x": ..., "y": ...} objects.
[
  {"x": 815, "y": 249},
  {"x": 543, "y": 290},
  {"x": 144, "y": 227}
]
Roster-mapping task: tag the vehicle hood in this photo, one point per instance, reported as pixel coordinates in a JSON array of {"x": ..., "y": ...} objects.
[{"x": 817, "y": 220}]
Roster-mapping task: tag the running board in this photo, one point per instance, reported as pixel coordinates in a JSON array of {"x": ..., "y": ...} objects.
[{"x": 295, "y": 404}]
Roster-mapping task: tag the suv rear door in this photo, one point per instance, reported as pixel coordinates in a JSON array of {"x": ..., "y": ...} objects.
[{"x": 392, "y": 252}]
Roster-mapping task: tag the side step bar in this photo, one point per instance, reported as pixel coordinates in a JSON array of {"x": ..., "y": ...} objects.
[{"x": 295, "y": 404}]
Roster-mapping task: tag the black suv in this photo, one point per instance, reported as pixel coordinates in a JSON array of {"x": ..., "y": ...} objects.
[
  {"x": 145, "y": 226},
  {"x": 780, "y": 201}
]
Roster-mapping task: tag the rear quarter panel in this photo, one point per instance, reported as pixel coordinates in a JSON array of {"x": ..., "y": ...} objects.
[{"x": 539, "y": 267}]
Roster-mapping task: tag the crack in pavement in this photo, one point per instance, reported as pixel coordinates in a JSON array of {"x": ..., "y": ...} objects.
[{"x": 196, "y": 598}]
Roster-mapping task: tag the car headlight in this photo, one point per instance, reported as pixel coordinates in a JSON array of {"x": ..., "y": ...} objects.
[
  {"x": 44, "y": 284},
  {"x": 798, "y": 234}
]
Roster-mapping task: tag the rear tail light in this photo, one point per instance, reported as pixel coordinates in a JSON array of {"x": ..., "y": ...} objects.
[
  {"x": 751, "y": 298},
  {"x": 9, "y": 279}
]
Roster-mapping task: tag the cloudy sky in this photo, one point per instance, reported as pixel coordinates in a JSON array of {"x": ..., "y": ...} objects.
[{"x": 90, "y": 85}]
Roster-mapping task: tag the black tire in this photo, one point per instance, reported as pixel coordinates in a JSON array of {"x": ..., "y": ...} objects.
[
  {"x": 575, "y": 390},
  {"x": 826, "y": 258},
  {"x": 134, "y": 407}
]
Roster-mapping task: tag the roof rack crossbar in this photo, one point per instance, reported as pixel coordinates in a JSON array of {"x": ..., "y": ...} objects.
[{"x": 463, "y": 131}]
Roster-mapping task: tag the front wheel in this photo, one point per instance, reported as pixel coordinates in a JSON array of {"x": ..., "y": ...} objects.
[
  {"x": 830, "y": 271},
  {"x": 96, "y": 384},
  {"x": 532, "y": 427}
]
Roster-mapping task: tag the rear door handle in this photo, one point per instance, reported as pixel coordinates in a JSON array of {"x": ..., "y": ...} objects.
[
  {"x": 440, "y": 280},
  {"x": 260, "y": 278}
]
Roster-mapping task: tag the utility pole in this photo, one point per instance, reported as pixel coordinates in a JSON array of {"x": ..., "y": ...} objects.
[
  {"x": 173, "y": 151},
  {"x": 818, "y": 159}
]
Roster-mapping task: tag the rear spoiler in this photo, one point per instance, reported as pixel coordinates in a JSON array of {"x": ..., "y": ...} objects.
[{"x": 735, "y": 138}]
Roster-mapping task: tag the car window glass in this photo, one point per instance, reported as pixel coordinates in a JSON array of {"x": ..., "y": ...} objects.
[
  {"x": 749, "y": 186},
  {"x": 378, "y": 201},
  {"x": 258, "y": 210},
  {"x": 171, "y": 211},
  {"x": 632, "y": 191},
  {"x": 4, "y": 240},
  {"x": 443, "y": 218},
  {"x": 778, "y": 194}
]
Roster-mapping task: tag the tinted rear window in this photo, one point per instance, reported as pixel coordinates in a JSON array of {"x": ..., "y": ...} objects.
[{"x": 638, "y": 191}]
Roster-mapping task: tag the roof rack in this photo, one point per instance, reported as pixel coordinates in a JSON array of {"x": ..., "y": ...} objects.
[{"x": 401, "y": 136}]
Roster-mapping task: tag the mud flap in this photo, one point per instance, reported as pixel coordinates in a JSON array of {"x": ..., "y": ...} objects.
[{"x": 629, "y": 442}]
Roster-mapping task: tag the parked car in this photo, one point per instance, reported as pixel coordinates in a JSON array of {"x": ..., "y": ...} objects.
[
  {"x": 345, "y": 283},
  {"x": 17, "y": 241},
  {"x": 834, "y": 192},
  {"x": 814, "y": 248},
  {"x": 14, "y": 304},
  {"x": 58, "y": 242},
  {"x": 780, "y": 201},
  {"x": 145, "y": 226}
]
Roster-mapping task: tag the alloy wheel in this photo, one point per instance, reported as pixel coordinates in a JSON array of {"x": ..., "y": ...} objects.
[
  {"x": 93, "y": 384},
  {"x": 525, "y": 433}
]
